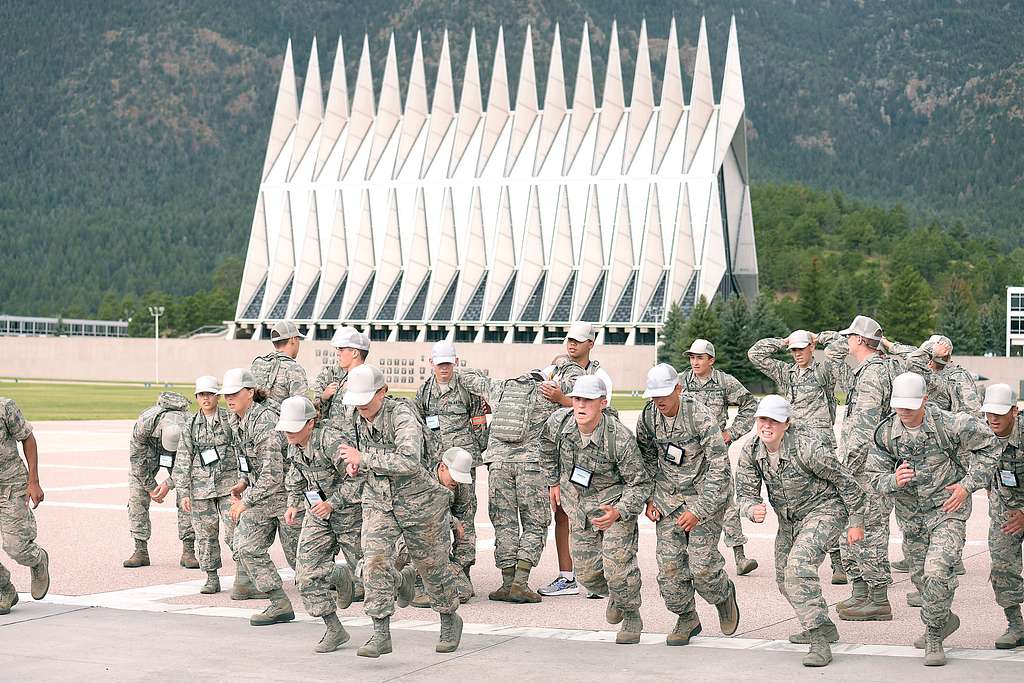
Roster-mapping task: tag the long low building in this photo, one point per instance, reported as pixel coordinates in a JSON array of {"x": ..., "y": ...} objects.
[{"x": 488, "y": 222}]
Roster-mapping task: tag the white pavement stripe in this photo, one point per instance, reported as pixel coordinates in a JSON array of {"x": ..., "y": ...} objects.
[
  {"x": 98, "y": 468},
  {"x": 84, "y": 449},
  {"x": 105, "y": 506},
  {"x": 151, "y": 599},
  {"x": 87, "y": 487}
]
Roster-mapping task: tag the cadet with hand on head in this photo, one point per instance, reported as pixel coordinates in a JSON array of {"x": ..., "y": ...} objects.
[
  {"x": 351, "y": 349},
  {"x": 278, "y": 373}
]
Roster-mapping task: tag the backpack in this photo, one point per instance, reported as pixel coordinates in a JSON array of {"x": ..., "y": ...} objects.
[
  {"x": 431, "y": 444},
  {"x": 647, "y": 415},
  {"x": 265, "y": 369},
  {"x": 167, "y": 402},
  {"x": 889, "y": 364},
  {"x": 886, "y": 445},
  {"x": 511, "y": 420}
]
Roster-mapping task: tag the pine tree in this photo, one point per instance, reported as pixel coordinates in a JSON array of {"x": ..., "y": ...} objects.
[
  {"x": 702, "y": 323},
  {"x": 814, "y": 297},
  {"x": 908, "y": 310},
  {"x": 959, "y": 319},
  {"x": 993, "y": 326},
  {"x": 735, "y": 337},
  {"x": 670, "y": 334}
]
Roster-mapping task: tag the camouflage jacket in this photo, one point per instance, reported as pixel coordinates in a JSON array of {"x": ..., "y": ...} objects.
[
  {"x": 490, "y": 390},
  {"x": 263, "y": 448},
  {"x": 810, "y": 391},
  {"x": 868, "y": 386},
  {"x": 703, "y": 469},
  {"x": 907, "y": 358},
  {"x": 329, "y": 374},
  {"x": 717, "y": 393},
  {"x": 950, "y": 448},
  {"x": 13, "y": 428},
  {"x": 962, "y": 389},
  {"x": 280, "y": 376},
  {"x": 320, "y": 467},
  {"x": 394, "y": 457},
  {"x": 459, "y": 414},
  {"x": 1008, "y": 482},
  {"x": 461, "y": 501},
  {"x": 809, "y": 479},
  {"x": 617, "y": 473},
  {"x": 191, "y": 475},
  {"x": 145, "y": 447}
]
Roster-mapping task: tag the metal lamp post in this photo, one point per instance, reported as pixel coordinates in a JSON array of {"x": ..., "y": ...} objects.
[{"x": 156, "y": 312}]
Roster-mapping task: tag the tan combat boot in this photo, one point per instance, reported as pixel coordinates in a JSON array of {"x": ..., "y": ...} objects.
[
  {"x": 8, "y": 598},
  {"x": 140, "y": 558},
  {"x": 501, "y": 594},
  {"x": 380, "y": 642},
  {"x": 613, "y": 614},
  {"x": 278, "y": 612},
  {"x": 839, "y": 577},
  {"x": 729, "y": 612},
  {"x": 341, "y": 579},
  {"x": 820, "y": 654},
  {"x": 934, "y": 655},
  {"x": 952, "y": 624},
  {"x": 687, "y": 626},
  {"x": 829, "y": 632},
  {"x": 242, "y": 589},
  {"x": 41, "y": 577},
  {"x": 188, "y": 555},
  {"x": 451, "y": 633},
  {"x": 520, "y": 592},
  {"x": 1014, "y": 636},
  {"x": 334, "y": 637},
  {"x": 744, "y": 565},
  {"x": 875, "y": 607},
  {"x": 914, "y": 599},
  {"x": 632, "y": 627},
  {"x": 859, "y": 594},
  {"x": 406, "y": 586},
  {"x": 212, "y": 584}
]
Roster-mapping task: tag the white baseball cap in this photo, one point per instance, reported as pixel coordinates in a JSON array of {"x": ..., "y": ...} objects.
[
  {"x": 170, "y": 434},
  {"x": 774, "y": 407},
  {"x": 701, "y": 346},
  {"x": 207, "y": 384},
  {"x": 908, "y": 391},
  {"x": 800, "y": 339},
  {"x": 284, "y": 329},
  {"x": 364, "y": 381},
  {"x": 295, "y": 413},
  {"x": 864, "y": 326},
  {"x": 939, "y": 339},
  {"x": 589, "y": 386},
  {"x": 350, "y": 338},
  {"x": 459, "y": 463},
  {"x": 999, "y": 399},
  {"x": 237, "y": 379},
  {"x": 443, "y": 352},
  {"x": 662, "y": 380},
  {"x": 581, "y": 331}
]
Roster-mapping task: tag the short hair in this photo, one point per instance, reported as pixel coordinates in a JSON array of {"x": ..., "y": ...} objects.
[
  {"x": 281, "y": 342},
  {"x": 871, "y": 343},
  {"x": 362, "y": 353}
]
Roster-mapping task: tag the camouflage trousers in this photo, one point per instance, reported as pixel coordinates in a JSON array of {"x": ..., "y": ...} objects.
[
  {"x": 1006, "y": 556},
  {"x": 732, "y": 528},
  {"x": 319, "y": 543},
  {"x": 869, "y": 559},
  {"x": 605, "y": 561},
  {"x": 800, "y": 548},
  {"x": 933, "y": 543},
  {"x": 18, "y": 530},
  {"x": 209, "y": 516},
  {"x": 141, "y": 481},
  {"x": 424, "y": 522},
  {"x": 689, "y": 562},
  {"x": 253, "y": 537},
  {"x": 464, "y": 549},
  {"x": 520, "y": 512}
]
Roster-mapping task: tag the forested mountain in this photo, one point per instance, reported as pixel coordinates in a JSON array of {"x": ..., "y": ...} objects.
[{"x": 134, "y": 131}]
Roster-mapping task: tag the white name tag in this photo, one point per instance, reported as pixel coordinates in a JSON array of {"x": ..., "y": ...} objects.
[
  {"x": 209, "y": 456},
  {"x": 674, "y": 454},
  {"x": 162, "y": 477},
  {"x": 1008, "y": 478},
  {"x": 243, "y": 464},
  {"x": 313, "y": 498},
  {"x": 167, "y": 460},
  {"x": 581, "y": 476},
  {"x": 434, "y": 421}
]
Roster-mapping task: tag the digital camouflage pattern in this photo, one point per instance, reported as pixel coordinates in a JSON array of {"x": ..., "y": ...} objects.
[
  {"x": 962, "y": 388},
  {"x": 815, "y": 498},
  {"x": 701, "y": 483},
  {"x": 280, "y": 376},
  {"x": 950, "y": 448},
  {"x": 1005, "y": 548},
  {"x": 17, "y": 522},
  {"x": 332, "y": 408},
  {"x": 604, "y": 561},
  {"x": 459, "y": 414},
  {"x": 320, "y": 467},
  {"x": 401, "y": 498}
]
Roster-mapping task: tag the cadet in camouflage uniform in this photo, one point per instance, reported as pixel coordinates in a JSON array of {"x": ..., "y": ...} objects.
[
  {"x": 518, "y": 501},
  {"x": 1006, "y": 511},
  {"x": 19, "y": 487},
  {"x": 961, "y": 385},
  {"x": 717, "y": 390},
  {"x": 318, "y": 482},
  {"x": 932, "y": 461},
  {"x": 594, "y": 471},
  {"x": 683, "y": 450},
  {"x": 351, "y": 349},
  {"x": 811, "y": 493},
  {"x": 147, "y": 454},
  {"x": 205, "y": 469},
  {"x": 259, "y": 499},
  {"x": 400, "y": 498}
]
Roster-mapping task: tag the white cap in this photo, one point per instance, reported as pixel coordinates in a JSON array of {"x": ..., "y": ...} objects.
[
  {"x": 443, "y": 352},
  {"x": 170, "y": 434},
  {"x": 237, "y": 379},
  {"x": 350, "y": 338},
  {"x": 701, "y": 346},
  {"x": 800, "y": 339},
  {"x": 864, "y": 326},
  {"x": 284, "y": 329},
  {"x": 459, "y": 463},
  {"x": 999, "y": 399},
  {"x": 295, "y": 413},
  {"x": 662, "y": 380},
  {"x": 939, "y": 339},
  {"x": 774, "y": 407},
  {"x": 908, "y": 391},
  {"x": 581, "y": 331},
  {"x": 364, "y": 381},
  {"x": 589, "y": 386},
  {"x": 207, "y": 384}
]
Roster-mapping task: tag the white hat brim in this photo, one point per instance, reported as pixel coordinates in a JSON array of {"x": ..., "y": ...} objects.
[
  {"x": 588, "y": 395},
  {"x": 797, "y": 346},
  {"x": 461, "y": 477},
  {"x": 231, "y": 389},
  {"x": 444, "y": 359},
  {"x": 353, "y": 398},
  {"x": 996, "y": 408},
  {"x": 772, "y": 415},
  {"x": 659, "y": 393},
  {"x": 906, "y": 403},
  {"x": 290, "y": 426}
]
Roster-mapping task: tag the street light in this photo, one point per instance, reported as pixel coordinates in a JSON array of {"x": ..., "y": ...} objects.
[{"x": 156, "y": 312}]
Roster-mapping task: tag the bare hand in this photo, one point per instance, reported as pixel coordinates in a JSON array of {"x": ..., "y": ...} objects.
[
  {"x": 460, "y": 531},
  {"x": 555, "y": 495},
  {"x": 758, "y": 513},
  {"x": 1014, "y": 522},
  {"x": 351, "y": 456},
  {"x": 957, "y": 495},
  {"x": 855, "y": 534},
  {"x": 687, "y": 521},
  {"x": 186, "y": 504},
  {"x": 785, "y": 342},
  {"x": 35, "y": 494},
  {"x": 291, "y": 516},
  {"x": 727, "y": 437},
  {"x": 904, "y": 474},
  {"x": 653, "y": 513},
  {"x": 941, "y": 350},
  {"x": 159, "y": 493},
  {"x": 552, "y": 392},
  {"x": 352, "y": 470},
  {"x": 322, "y": 510},
  {"x": 610, "y": 516},
  {"x": 237, "y": 508},
  {"x": 236, "y": 490}
]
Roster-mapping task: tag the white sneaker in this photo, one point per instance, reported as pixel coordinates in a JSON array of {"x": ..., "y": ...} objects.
[{"x": 560, "y": 586}]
